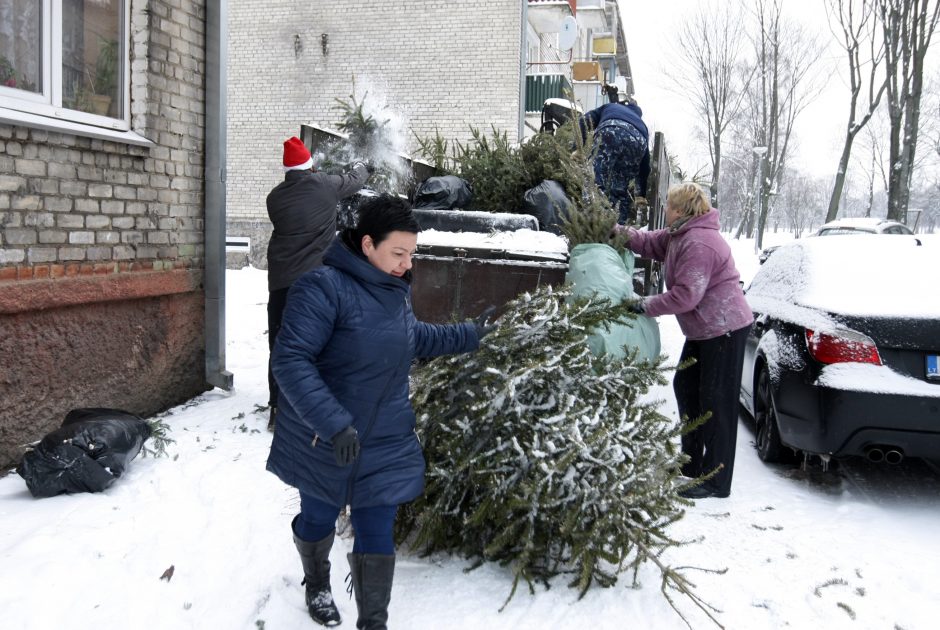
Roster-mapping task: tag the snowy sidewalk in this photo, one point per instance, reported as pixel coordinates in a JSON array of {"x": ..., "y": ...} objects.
[{"x": 799, "y": 553}]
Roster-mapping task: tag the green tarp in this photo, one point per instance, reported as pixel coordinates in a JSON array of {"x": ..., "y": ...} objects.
[{"x": 596, "y": 268}]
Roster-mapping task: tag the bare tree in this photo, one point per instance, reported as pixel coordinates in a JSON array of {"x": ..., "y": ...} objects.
[
  {"x": 785, "y": 58},
  {"x": 857, "y": 29},
  {"x": 801, "y": 201},
  {"x": 737, "y": 188},
  {"x": 710, "y": 56},
  {"x": 907, "y": 27}
]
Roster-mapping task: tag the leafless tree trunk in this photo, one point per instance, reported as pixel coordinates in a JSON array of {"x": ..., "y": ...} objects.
[
  {"x": 907, "y": 27},
  {"x": 871, "y": 183},
  {"x": 786, "y": 57},
  {"x": 710, "y": 56},
  {"x": 857, "y": 28}
]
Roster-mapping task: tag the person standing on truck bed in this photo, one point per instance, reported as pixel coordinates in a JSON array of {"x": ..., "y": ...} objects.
[
  {"x": 345, "y": 432},
  {"x": 302, "y": 210},
  {"x": 620, "y": 153}
]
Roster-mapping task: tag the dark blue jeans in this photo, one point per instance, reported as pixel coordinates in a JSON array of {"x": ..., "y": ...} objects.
[
  {"x": 618, "y": 151},
  {"x": 372, "y": 525}
]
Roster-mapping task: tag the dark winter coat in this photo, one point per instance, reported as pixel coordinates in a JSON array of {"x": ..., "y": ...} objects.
[
  {"x": 302, "y": 210},
  {"x": 604, "y": 120},
  {"x": 342, "y": 358},
  {"x": 703, "y": 285}
]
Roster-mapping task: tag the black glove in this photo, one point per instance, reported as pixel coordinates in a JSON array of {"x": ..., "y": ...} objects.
[
  {"x": 346, "y": 446},
  {"x": 482, "y": 323},
  {"x": 638, "y": 307}
]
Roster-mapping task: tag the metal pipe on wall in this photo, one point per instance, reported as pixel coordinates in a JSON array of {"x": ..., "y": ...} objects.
[
  {"x": 523, "y": 53},
  {"x": 216, "y": 84}
]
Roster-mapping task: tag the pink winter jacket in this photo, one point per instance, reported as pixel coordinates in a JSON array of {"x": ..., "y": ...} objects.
[{"x": 702, "y": 283}]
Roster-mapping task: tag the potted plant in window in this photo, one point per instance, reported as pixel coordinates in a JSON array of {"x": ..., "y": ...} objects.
[
  {"x": 7, "y": 73},
  {"x": 105, "y": 77}
]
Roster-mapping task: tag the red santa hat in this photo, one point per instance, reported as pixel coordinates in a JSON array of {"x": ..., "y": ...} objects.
[{"x": 296, "y": 155}]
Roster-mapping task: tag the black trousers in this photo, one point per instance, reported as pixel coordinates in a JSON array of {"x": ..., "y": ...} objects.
[
  {"x": 277, "y": 300},
  {"x": 712, "y": 384}
]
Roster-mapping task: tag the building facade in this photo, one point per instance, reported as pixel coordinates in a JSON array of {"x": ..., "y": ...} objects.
[
  {"x": 101, "y": 210},
  {"x": 441, "y": 65}
]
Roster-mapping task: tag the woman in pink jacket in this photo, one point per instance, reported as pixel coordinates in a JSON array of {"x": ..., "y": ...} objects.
[{"x": 704, "y": 293}]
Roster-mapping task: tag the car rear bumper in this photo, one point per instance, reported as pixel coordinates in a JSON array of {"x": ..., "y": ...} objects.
[{"x": 824, "y": 420}]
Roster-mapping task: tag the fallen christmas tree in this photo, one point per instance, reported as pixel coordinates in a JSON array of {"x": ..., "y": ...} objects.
[{"x": 543, "y": 457}]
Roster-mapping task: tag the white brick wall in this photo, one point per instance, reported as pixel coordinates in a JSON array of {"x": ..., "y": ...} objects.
[
  {"x": 74, "y": 199},
  {"x": 445, "y": 64}
]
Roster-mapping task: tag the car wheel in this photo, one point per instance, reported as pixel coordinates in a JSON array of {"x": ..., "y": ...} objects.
[{"x": 769, "y": 446}]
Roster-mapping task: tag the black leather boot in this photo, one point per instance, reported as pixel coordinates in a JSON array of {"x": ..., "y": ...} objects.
[
  {"x": 372, "y": 584},
  {"x": 315, "y": 558}
]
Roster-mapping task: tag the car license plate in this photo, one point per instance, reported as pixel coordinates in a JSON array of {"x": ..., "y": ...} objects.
[{"x": 933, "y": 367}]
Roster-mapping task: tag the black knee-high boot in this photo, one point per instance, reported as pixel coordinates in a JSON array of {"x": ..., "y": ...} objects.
[
  {"x": 372, "y": 583},
  {"x": 315, "y": 558}
]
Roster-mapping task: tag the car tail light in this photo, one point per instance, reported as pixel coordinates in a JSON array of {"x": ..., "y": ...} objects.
[{"x": 842, "y": 346}]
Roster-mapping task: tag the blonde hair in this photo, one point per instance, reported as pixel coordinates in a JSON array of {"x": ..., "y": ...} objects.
[{"x": 689, "y": 199}]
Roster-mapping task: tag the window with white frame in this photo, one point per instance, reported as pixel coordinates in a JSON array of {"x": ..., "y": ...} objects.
[{"x": 66, "y": 59}]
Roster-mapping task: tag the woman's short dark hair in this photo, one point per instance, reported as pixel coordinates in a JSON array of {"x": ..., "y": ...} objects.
[{"x": 384, "y": 214}]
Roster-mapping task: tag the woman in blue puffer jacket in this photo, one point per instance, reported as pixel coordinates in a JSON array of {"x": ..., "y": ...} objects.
[{"x": 345, "y": 431}]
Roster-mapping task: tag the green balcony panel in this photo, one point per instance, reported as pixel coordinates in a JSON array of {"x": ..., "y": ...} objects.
[{"x": 539, "y": 87}]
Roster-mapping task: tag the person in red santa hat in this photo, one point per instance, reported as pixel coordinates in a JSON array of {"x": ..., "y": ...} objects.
[{"x": 302, "y": 210}]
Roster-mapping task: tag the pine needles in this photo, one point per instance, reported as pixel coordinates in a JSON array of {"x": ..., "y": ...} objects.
[
  {"x": 541, "y": 456},
  {"x": 159, "y": 439},
  {"x": 500, "y": 173}
]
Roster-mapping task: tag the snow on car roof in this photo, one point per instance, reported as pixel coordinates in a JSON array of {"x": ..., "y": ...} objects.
[
  {"x": 849, "y": 275},
  {"x": 861, "y": 222}
]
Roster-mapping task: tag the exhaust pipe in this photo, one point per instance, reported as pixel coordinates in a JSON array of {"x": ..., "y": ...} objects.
[
  {"x": 874, "y": 454},
  {"x": 894, "y": 457}
]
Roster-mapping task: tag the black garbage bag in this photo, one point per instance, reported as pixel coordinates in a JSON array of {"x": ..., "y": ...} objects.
[
  {"x": 444, "y": 192},
  {"x": 548, "y": 203},
  {"x": 86, "y": 454}
]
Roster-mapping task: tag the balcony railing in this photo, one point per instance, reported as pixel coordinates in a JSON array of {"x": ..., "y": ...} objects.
[{"x": 539, "y": 87}]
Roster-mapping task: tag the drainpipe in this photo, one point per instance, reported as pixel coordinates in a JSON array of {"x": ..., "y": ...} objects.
[
  {"x": 523, "y": 50},
  {"x": 216, "y": 58}
]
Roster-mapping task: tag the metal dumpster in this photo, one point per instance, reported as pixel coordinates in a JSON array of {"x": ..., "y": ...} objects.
[{"x": 454, "y": 283}]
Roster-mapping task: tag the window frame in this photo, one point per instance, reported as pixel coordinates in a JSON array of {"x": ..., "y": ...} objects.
[{"x": 48, "y": 103}]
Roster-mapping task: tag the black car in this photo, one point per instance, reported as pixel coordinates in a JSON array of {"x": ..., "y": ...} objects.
[{"x": 843, "y": 356}]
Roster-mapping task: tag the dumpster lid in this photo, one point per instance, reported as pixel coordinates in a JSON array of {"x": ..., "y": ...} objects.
[
  {"x": 476, "y": 253},
  {"x": 518, "y": 245}
]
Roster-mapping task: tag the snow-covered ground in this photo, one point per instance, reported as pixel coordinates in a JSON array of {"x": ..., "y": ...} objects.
[{"x": 801, "y": 550}]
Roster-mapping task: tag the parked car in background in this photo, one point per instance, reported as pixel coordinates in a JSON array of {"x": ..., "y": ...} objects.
[
  {"x": 855, "y": 225},
  {"x": 862, "y": 225},
  {"x": 842, "y": 359}
]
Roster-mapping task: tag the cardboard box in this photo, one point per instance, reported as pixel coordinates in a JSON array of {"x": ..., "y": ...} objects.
[
  {"x": 604, "y": 45},
  {"x": 585, "y": 71}
]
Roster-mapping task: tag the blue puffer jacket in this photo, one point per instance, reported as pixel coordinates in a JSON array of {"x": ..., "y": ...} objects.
[{"x": 342, "y": 357}]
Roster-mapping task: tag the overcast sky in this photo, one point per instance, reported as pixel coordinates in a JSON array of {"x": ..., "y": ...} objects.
[{"x": 650, "y": 27}]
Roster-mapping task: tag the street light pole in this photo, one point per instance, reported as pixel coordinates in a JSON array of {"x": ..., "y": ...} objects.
[{"x": 761, "y": 154}]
